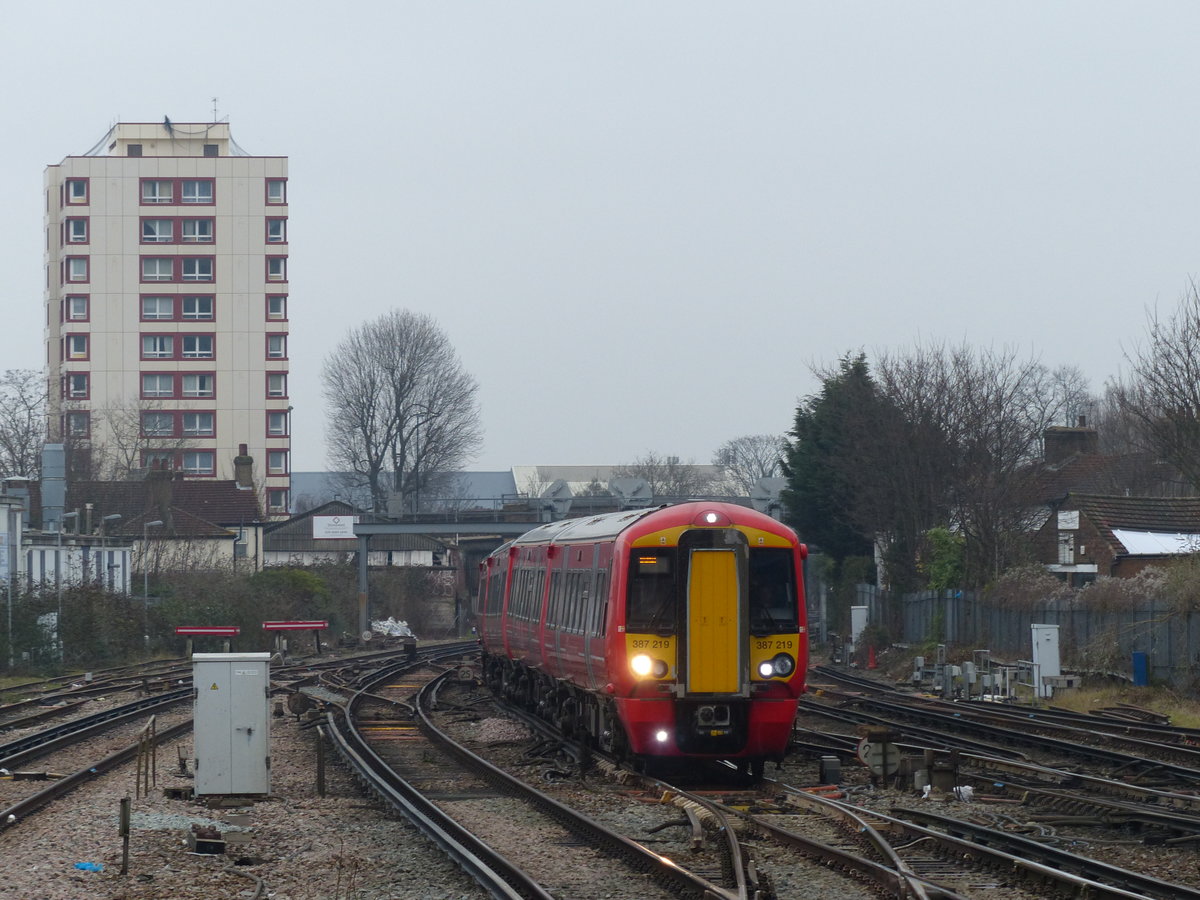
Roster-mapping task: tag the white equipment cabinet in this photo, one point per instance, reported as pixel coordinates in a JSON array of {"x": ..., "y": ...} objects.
[
  {"x": 1047, "y": 665},
  {"x": 233, "y": 723}
]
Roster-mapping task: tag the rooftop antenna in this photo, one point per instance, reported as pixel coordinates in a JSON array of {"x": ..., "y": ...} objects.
[{"x": 214, "y": 99}]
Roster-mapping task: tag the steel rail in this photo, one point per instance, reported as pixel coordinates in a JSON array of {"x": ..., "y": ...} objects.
[
  {"x": 734, "y": 858},
  {"x": 1089, "y": 873},
  {"x": 1045, "y": 742},
  {"x": 1138, "y": 794},
  {"x": 492, "y": 872},
  {"x": 933, "y": 739},
  {"x": 32, "y": 746},
  {"x": 18, "y": 811},
  {"x": 663, "y": 870}
]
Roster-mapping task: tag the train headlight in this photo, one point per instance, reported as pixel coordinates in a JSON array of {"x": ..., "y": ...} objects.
[
  {"x": 661, "y": 736},
  {"x": 643, "y": 666},
  {"x": 779, "y": 666}
]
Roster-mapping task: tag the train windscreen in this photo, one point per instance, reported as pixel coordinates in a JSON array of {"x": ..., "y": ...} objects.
[
  {"x": 773, "y": 607},
  {"x": 650, "y": 605}
]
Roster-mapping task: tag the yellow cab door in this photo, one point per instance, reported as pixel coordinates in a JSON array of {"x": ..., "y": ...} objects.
[{"x": 714, "y": 645}]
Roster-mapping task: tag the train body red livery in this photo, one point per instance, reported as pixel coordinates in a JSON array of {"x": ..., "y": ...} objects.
[{"x": 670, "y": 632}]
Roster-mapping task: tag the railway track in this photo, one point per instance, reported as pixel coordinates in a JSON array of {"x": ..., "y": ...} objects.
[
  {"x": 534, "y": 846},
  {"x": 904, "y": 857}
]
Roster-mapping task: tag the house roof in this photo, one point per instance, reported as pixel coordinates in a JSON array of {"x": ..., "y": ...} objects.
[
  {"x": 1135, "y": 519},
  {"x": 197, "y": 508},
  {"x": 1092, "y": 473}
]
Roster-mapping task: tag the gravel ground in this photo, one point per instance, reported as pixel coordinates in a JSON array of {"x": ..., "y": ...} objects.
[{"x": 300, "y": 846}]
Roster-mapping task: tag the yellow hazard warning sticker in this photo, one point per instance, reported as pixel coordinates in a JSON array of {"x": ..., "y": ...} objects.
[{"x": 214, "y": 687}]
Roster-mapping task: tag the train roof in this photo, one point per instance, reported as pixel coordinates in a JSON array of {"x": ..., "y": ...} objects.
[{"x": 609, "y": 525}]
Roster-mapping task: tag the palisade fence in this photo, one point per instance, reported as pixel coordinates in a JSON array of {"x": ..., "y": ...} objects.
[{"x": 1091, "y": 640}]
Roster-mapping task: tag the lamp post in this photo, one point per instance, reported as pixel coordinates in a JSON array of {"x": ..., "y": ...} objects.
[
  {"x": 146, "y": 526},
  {"x": 105, "y": 580},
  {"x": 58, "y": 580}
]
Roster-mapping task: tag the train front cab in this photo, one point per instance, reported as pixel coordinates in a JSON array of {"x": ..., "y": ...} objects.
[{"x": 714, "y": 641}]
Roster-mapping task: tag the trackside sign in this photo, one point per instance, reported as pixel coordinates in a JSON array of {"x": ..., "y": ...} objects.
[{"x": 329, "y": 528}]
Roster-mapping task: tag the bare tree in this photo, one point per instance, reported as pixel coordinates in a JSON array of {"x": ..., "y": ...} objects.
[
  {"x": 401, "y": 407},
  {"x": 972, "y": 425},
  {"x": 22, "y": 422},
  {"x": 124, "y": 435},
  {"x": 1161, "y": 396},
  {"x": 668, "y": 476},
  {"x": 744, "y": 460}
]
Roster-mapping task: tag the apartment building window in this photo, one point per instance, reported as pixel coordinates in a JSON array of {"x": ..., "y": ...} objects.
[
  {"x": 276, "y": 268},
  {"x": 276, "y": 191},
  {"x": 158, "y": 459},
  {"x": 77, "y": 230},
  {"x": 277, "y": 384},
  {"x": 158, "y": 231},
  {"x": 158, "y": 424},
  {"x": 276, "y": 346},
  {"x": 197, "y": 307},
  {"x": 76, "y": 190},
  {"x": 77, "y": 269},
  {"x": 78, "y": 424},
  {"x": 197, "y": 191},
  {"x": 198, "y": 424},
  {"x": 199, "y": 384},
  {"x": 277, "y": 423},
  {"x": 277, "y": 307},
  {"x": 276, "y": 231},
  {"x": 197, "y": 231},
  {"x": 158, "y": 384},
  {"x": 198, "y": 462},
  {"x": 77, "y": 346},
  {"x": 158, "y": 346},
  {"x": 277, "y": 500},
  {"x": 77, "y": 385},
  {"x": 197, "y": 268},
  {"x": 277, "y": 462},
  {"x": 158, "y": 268},
  {"x": 197, "y": 346},
  {"x": 76, "y": 308},
  {"x": 157, "y": 308},
  {"x": 156, "y": 191}
]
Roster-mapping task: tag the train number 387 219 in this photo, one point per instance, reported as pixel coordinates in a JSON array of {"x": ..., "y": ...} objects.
[{"x": 775, "y": 644}]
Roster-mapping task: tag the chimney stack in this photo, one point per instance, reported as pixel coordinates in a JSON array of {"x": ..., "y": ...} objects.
[{"x": 243, "y": 468}]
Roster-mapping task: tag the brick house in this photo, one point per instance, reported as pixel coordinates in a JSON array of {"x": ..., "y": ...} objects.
[{"x": 1091, "y": 535}]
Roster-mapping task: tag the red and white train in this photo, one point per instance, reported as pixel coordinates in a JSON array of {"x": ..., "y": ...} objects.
[{"x": 677, "y": 631}]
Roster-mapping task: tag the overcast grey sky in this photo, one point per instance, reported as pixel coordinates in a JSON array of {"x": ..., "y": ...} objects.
[{"x": 640, "y": 222}]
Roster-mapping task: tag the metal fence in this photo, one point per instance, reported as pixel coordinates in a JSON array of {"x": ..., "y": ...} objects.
[{"x": 1091, "y": 640}]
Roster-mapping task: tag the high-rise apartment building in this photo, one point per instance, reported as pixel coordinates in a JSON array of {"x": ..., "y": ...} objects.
[{"x": 167, "y": 305}]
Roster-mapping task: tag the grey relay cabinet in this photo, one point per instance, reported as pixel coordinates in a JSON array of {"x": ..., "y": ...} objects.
[{"x": 233, "y": 723}]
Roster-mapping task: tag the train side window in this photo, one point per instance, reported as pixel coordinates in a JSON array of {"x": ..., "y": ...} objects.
[
  {"x": 585, "y": 593},
  {"x": 540, "y": 584},
  {"x": 521, "y": 601},
  {"x": 554, "y": 617},
  {"x": 601, "y": 603},
  {"x": 580, "y": 599}
]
